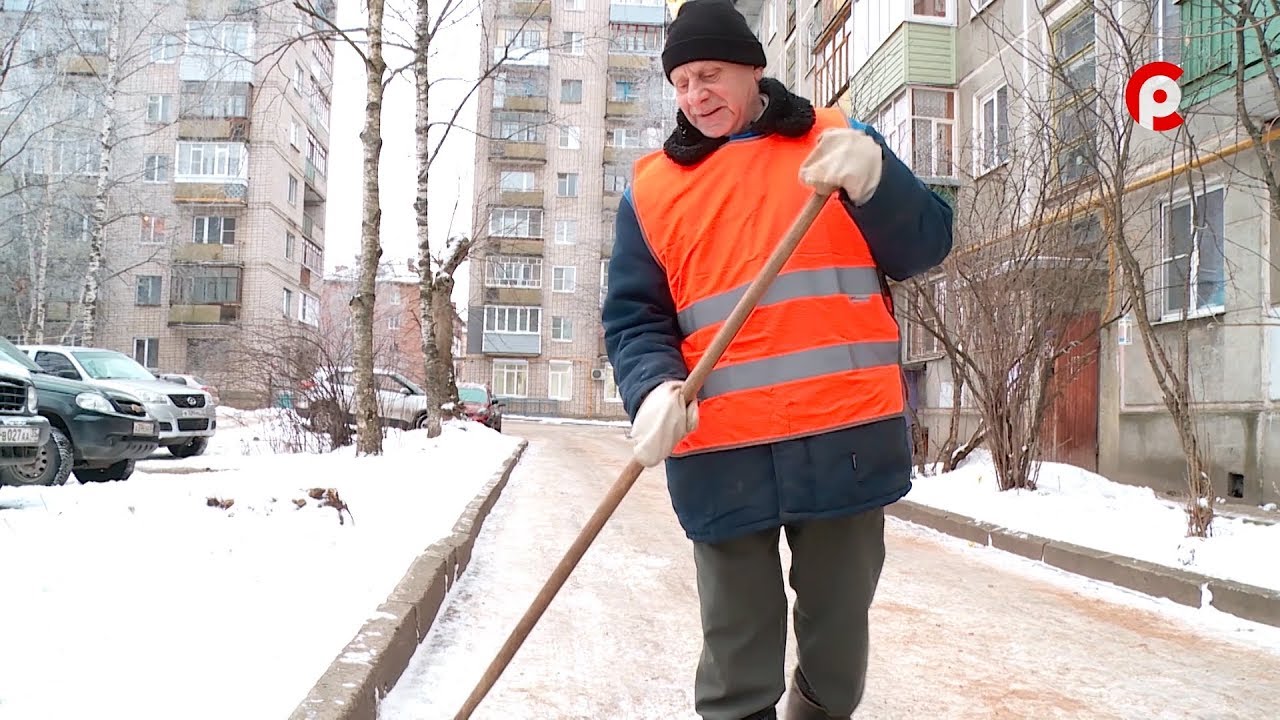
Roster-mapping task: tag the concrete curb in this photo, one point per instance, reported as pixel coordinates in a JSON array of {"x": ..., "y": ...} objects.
[
  {"x": 1249, "y": 602},
  {"x": 371, "y": 664}
]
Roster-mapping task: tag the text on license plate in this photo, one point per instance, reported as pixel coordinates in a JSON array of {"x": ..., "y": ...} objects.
[
  {"x": 144, "y": 428},
  {"x": 19, "y": 435},
  {"x": 189, "y": 413}
]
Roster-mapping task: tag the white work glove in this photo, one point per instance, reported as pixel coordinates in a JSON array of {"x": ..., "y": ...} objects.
[
  {"x": 844, "y": 158},
  {"x": 661, "y": 422}
]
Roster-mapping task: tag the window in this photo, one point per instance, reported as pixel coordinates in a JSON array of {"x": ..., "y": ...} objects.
[
  {"x": 293, "y": 190},
  {"x": 295, "y": 134},
  {"x": 566, "y": 232},
  {"x": 287, "y": 305},
  {"x": 933, "y": 115},
  {"x": 215, "y": 100},
  {"x": 515, "y": 222},
  {"x": 197, "y": 285},
  {"x": 930, "y": 8},
  {"x": 1192, "y": 258},
  {"x": 563, "y": 279},
  {"x": 309, "y": 311},
  {"x": 393, "y": 321},
  {"x": 516, "y": 319},
  {"x": 153, "y": 230},
  {"x": 299, "y": 75},
  {"x": 574, "y": 41},
  {"x": 146, "y": 351},
  {"x": 611, "y": 393},
  {"x": 635, "y": 39},
  {"x": 393, "y": 297},
  {"x": 1074, "y": 93},
  {"x": 993, "y": 126},
  {"x": 517, "y": 181},
  {"x": 155, "y": 169},
  {"x": 523, "y": 39},
  {"x": 1166, "y": 27},
  {"x": 214, "y": 230},
  {"x": 625, "y": 91},
  {"x": 159, "y": 108},
  {"x": 312, "y": 256},
  {"x": 616, "y": 178},
  {"x": 513, "y": 271},
  {"x": 511, "y": 126},
  {"x": 211, "y": 161},
  {"x": 289, "y": 245},
  {"x": 569, "y": 138},
  {"x": 567, "y": 184},
  {"x": 574, "y": 5},
  {"x": 560, "y": 380},
  {"x": 148, "y": 290},
  {"x": 561, "y": 329},
  {"x": 832, "y": 72},
  {"x": 510, "y": 378},
  {"x": 570, "y": 91},
  {"x": 921, "y": 340},
  {"x": 164, "y": 48}
]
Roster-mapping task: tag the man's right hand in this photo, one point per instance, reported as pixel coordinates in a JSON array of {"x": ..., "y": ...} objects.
[{"x": 661, "y": 422}]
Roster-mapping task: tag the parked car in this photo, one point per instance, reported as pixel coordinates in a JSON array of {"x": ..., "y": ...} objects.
[
  {"x": 192, "y": 381},
  {"x": 186, "y": 418},
  {"x": 97, "y": 433},
  {"x": 401, "y": 401},
  {"x": 479, "y": 404},
  {"x": 23, "y": 432}
]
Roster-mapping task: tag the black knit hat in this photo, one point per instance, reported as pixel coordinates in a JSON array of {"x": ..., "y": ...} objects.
[{"x": 710, "y": 30}]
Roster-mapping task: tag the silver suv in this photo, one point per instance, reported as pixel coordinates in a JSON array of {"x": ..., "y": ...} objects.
[{"x": 187, "y": 416}]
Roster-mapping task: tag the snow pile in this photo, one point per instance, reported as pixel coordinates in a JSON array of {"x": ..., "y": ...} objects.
[
  {"x": 221, "y": 585},
  {"x": 1080, "y": 507}
]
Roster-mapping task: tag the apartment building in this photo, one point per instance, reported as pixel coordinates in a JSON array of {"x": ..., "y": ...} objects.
[
  {"x": 579, "y": 96},
  {"x": 397, "y": 327},
  {"x": 955, "y": 87},
  {"x": 217, "y": 182}
]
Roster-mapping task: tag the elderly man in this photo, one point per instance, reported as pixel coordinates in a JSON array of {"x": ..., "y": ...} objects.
[{"x": 801, "y": 426}]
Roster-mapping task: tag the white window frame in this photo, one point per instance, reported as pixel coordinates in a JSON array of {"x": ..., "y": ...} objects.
[
  {"x": 201, "y": 161},
  {"x": 948, "y": 18},
  {"x": 1193, "y": 308},
  {"x": 513, "y": 319},
  {"x": 611, "y": 393},
  {"x": 287, "y": 302},
  {"x": 309, "y": 310},
  {"x": 200, "y": 234},
  {"x": 560, "y": 373},
  {"x": 566, "y": 232},
  {"x": 148, "y": 346},
  {"x": 515, "y": 222},
  {"x": 517, "y": 369},
  {"x": 156, "y": 169},
  {"x": 149, "y": 236},
  {"x": 159, "y": 109},
  {"x": 561, "y": 329},
  {"x": 567, "y": 185},
  {"x": 514, "y": 271},
  {"x": 982, "y": 159},
  {"x": 564, "y": 279},
  {"x": 524, "y": 181},
  {"x": 570, "y": 137},
  {"x": 292, "y": 192},
  {"x": 165, "y": 48}
]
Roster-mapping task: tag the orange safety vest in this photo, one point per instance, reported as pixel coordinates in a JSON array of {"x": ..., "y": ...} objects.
[{"x": 820, "y": 351}]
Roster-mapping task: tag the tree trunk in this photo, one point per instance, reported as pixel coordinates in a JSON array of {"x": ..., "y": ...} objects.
[
  {"x": 368, "y": 428},
  {"x": 948, "y": 450},
  {"x": 40, "y": 272},
  {"x": 98, "y": 220},
  {"x": 435, "y": 383}
]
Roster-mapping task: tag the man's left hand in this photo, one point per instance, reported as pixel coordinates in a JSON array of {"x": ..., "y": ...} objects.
[{"x": 844, "y": 158}]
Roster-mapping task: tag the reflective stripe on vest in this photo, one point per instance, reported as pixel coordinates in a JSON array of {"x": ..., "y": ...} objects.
[
  {"x": 821, "y": 350},
  {"x": 857, "y": 282}
]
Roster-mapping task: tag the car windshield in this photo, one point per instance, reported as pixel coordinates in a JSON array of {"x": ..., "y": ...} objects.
[
  {"x": 13, "y": 353},
  {"x": 101, "y": 365},
  {"x": 473, "y": 395}
]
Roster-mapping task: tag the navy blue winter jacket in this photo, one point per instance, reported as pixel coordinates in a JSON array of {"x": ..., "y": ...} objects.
[{"x": 723, "y": 494}]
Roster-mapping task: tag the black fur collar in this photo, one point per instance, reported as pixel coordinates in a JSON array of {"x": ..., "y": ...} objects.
[{"x": 786, "y": 114}]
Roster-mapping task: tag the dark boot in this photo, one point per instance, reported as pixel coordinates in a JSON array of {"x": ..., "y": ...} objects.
[{"x": 802, "y": 706}]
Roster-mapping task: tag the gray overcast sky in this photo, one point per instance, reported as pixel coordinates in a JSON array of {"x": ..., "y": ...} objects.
[{"x": 454, "y": 56}]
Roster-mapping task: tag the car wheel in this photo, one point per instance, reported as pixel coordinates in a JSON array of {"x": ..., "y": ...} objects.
[
  {"x": 190, "y": 448},
  {"x": 119, "y": 471},
  {"x": 420, "y": 422},
  {"x": 52, "y": 465}
]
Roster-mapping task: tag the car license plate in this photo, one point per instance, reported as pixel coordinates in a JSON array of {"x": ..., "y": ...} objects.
[
  {"x": 144, "y": 428},
  {"x": 18, "y": 435},
  {"x": 191, "y": 413}
]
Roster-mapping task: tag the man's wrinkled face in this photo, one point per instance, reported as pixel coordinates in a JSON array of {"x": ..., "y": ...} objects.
[{"x": 719, "y": 98}]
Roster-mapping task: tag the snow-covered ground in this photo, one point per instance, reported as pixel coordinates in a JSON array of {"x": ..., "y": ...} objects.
[
  {"x": 1080, "y": 507},
  {"x": 150, "y": 599}
]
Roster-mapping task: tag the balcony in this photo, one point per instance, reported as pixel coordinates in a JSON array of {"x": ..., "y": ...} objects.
[
  {"x": 313, "y": 228},
  {"x": 224, "y": 10},
  {"x": 511, "y": 296},
  {"x": 535, "y": 103},
  {"x": 234, "y": 129},
  {"x": 228, "y": 192},
  {"x": 641, "y": 63},
  {"x": 84, "y": 64},
  {"x": 314, "y": 192},
  {"x": 915, "y": 54},
  {"x": 637, "y": 14},
  {"x": 203, "y": 314},
  {"x": 1209, "y": 55},
  {"x": 529, "y": 57},
  {"x": 525, "y": 9},
  {"x": 531, "y": 198},
  {"x": 517, "y": 150},
  {"x": 514, "y": 246},
  {"x": 207, "y": 253},
  {"x": 511, "y": 344},
  {"x": 623, "y": 108}
]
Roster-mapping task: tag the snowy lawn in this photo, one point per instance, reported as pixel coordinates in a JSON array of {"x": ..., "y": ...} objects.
[
  {"x": 217, "y": 586},
  {"x": 1080, "y": 507}
]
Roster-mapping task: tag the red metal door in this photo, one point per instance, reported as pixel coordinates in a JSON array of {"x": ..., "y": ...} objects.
[{"x": 1070, "y": 434}]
